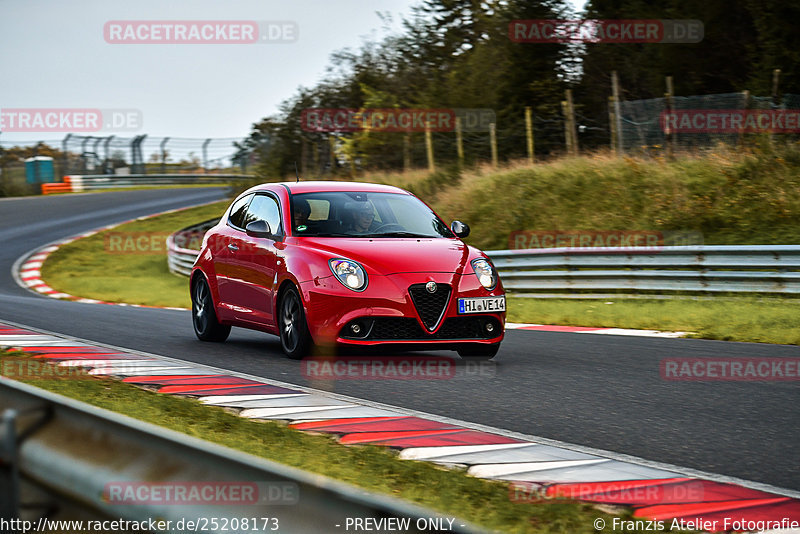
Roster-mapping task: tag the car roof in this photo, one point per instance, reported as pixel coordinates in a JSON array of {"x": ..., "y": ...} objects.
[{"x": 329, "y": 185}]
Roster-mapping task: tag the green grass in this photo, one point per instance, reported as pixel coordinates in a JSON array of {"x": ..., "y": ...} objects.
[
  {"x": 745, "y": 197},
  {"x": 761, "y": 320},
  {"x": 95, "y": 267},
  {"x": 449, "y": 491}
]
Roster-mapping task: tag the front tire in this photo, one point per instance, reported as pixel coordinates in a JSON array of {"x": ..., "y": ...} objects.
[
  {"x": 479, "y": 352},
  {"x": 292, "y": 325},
  {"x": 204, "y": 318}
]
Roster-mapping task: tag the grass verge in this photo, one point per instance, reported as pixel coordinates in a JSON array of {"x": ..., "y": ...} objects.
[
  {"x": 115, "y": 266},
  {"x": 449, "y": 491},
  {"x": 760, "y": 320}
]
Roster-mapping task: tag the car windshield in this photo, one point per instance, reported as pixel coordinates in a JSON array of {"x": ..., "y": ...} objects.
[{"x": 362, "y": 214}]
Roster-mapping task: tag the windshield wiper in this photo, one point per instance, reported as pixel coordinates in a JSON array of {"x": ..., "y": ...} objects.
[{"x": 398, "y": 234}]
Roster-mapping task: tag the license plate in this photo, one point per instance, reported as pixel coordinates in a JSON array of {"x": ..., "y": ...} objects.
[{"x": 482, "y": 304}]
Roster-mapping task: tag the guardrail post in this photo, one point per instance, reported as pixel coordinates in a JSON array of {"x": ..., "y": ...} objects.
[
  {"x": 205, "y": 155},
  {"x": 164, "y": 155},
  {"x": 9, "y": 469},
  {"x": 84, "y": 166},
  {"x": 107, "y": 166}
]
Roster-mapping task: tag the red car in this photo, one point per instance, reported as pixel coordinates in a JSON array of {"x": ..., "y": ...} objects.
[{"x": 345, "y": 264}]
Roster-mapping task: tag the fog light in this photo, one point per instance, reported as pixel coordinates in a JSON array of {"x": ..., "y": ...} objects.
[
  {"x": 489, "y": 327},
  {"x": 355, "y": 328}
]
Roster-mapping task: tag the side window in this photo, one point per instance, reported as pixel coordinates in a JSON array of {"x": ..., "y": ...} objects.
[
  {"x": 238, "y": 210},
  {"x": 264, "y": 208}
]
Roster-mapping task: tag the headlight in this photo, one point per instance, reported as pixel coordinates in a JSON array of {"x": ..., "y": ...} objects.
[
  {"x": 485, "y": 273},
  {"x": 349, "y": 273}
]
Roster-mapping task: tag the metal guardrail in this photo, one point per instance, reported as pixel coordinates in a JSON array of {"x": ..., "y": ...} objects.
[
  {"x": 78, "y": 183},
  {"x": 75, "y": 451},
  {"x": 181, "y": 258},
  {"x": 695, "y": 268},
  {"x": 691, "y": 269}
]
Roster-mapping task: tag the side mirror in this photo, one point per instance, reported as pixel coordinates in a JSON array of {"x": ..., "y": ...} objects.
[
  {"x": 258, "y": 229},
  {"x": 460, "y": 229}
]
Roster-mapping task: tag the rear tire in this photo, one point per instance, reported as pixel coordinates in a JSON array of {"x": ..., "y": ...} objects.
[
  {"x": 479, "y": 352},
  {"x": 204, "y": 318},
  {"x": 292, "y": 326}
]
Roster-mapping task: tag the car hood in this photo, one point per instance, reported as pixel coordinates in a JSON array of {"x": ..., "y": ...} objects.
[{"x": 398, "y": 255}]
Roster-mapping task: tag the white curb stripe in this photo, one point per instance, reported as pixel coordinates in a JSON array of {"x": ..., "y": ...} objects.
[
  {"x": 505, "y": 470},
  {"x": 633, "y": 332},
  {"x": 222, "y": 400},
  {"x": 431, "y": 453}
]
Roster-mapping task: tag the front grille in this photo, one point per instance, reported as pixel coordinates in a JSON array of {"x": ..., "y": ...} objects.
[
  {"x": 396, "y": 328},
  {"x": 430, "y": 306},
  {"x": 405, "y": 328}
]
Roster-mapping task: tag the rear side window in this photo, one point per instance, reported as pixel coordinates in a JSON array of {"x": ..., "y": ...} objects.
[
  {"x": 264, "y": 208},
  {"x": 238, "y": 211}
]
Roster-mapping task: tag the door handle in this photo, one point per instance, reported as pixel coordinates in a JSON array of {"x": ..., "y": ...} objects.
[{"x": 232, "y": 247}]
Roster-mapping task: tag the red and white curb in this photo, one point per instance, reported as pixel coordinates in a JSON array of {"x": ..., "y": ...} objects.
[
  {"x": 536, "y": 468},
  {"x": 27, "y": 270},
  {"x": 594, "y": 330}
]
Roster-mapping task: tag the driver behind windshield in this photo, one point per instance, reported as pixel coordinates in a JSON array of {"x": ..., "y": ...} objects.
[{"x": 362, "y": 217}]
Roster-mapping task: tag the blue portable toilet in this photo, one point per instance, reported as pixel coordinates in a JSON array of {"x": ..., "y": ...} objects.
[{"x": 39, "y": 170}]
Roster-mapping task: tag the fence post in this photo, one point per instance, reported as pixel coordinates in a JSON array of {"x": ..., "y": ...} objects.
[
  {"x": 429, "y": 149},
  {"x": 493, "y": 141},
  {"x": 164, "y": 155},
  {"x": 776, "y": 77},
  {"x": 459, "y": 142},
  {"x": 84, "y": 166},
  {"x": 205, "y": 155},
  {"x": 746, "y": 106},
  {"x": 107, "y": 167},
  {"x": 573, "y": 131},
  {"x": 669, "y": 135},
  {"x": 617, "y": 111},
  {"x": 567, "y": 136},
  {"x": 529, "y": 134},
  {"x": 612, "y": 125},
  {"x": 65, "y": 158}
]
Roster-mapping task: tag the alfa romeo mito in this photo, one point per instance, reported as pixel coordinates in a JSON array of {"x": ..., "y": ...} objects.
[{"x": 337, "y": 264}]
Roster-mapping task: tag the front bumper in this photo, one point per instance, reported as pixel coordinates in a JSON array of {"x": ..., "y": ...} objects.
[{"x": 386, "y": 314}]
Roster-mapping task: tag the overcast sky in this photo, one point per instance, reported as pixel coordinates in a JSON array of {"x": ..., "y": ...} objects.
[{"x": 55, "y": 55}]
